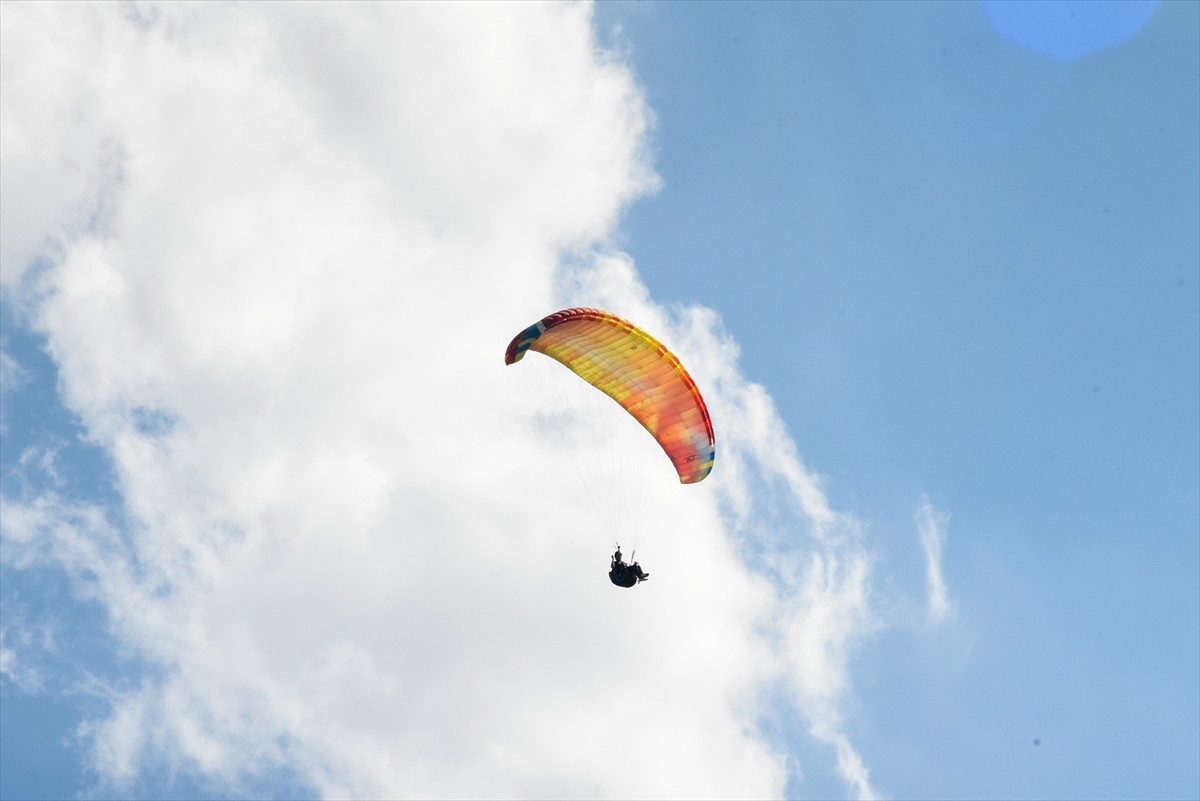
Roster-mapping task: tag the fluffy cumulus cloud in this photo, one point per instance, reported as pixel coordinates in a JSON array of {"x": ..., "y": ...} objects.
[{"x": 276, "y": 252}]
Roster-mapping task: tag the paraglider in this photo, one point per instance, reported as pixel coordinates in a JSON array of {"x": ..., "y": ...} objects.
[
  {"x": 624, "y": 575},
  {"x": 642, "y": 376}
]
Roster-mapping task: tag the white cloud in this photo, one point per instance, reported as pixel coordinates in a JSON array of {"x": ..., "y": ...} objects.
[
  {"x": 822, "y": 607},
  {"x": 12, "y": 377},
  {"x": 12, "y": 374},
  {"x": 278, "y": 292},
  {"x": 21, "y": 638},
  {"x": 931, "y": 526}
]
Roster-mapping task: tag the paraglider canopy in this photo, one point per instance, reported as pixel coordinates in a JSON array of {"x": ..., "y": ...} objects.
[{"x": 635, "y": 370}]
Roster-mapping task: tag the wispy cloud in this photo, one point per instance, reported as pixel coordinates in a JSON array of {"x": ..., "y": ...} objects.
[
  {"x": 12, "y": 377},
  {"x": 777, "y": 513},
  {"x": 345, "y": 547},
  {"x": 12, "y": 374},
  {"x": 931, "y": 526},
  {"x": 21, "y": 638}
]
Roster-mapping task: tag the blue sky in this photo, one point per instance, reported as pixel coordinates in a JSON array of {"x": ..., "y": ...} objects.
[
  {"x": 935, "y": 267},
  {"x": 1004, "y": 320}
]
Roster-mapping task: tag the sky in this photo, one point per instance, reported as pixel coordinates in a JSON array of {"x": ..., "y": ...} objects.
[{"x": 276, "y": 521}]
